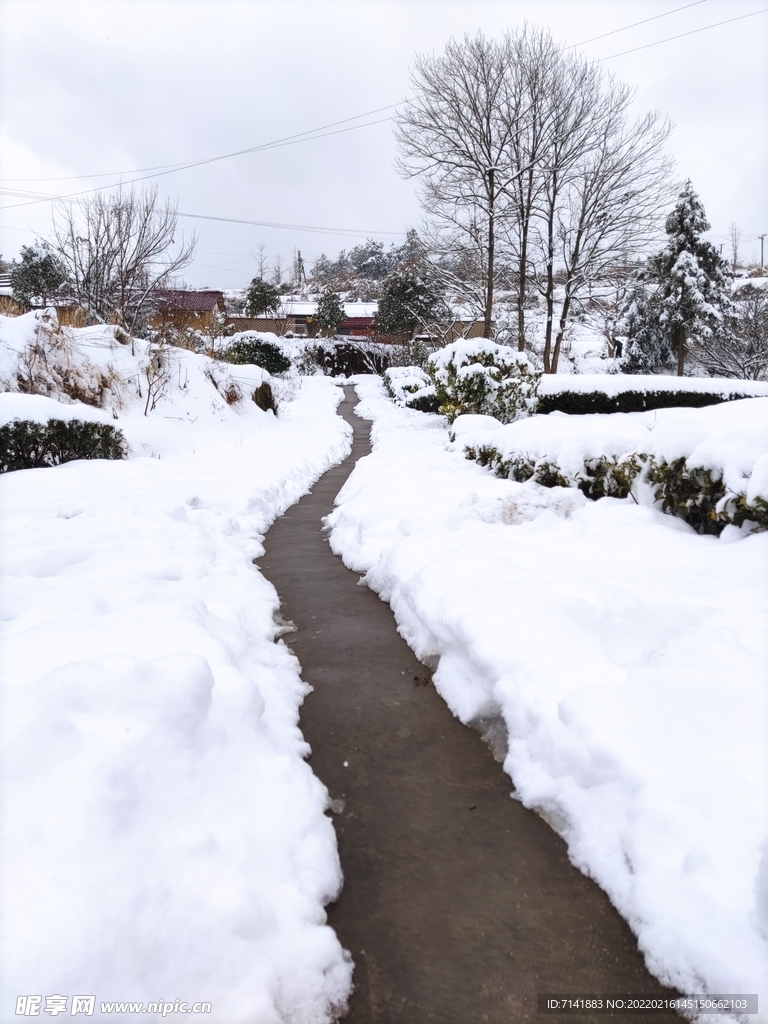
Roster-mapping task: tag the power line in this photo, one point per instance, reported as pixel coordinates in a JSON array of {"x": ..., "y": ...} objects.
[
  {"x": 351, "y": 232},
  {"x": 636, "y": 23},
  {"x": 291, "y": 141},
  {"x": 180, "y": 165},
  {"x": 692, "y": 32}
]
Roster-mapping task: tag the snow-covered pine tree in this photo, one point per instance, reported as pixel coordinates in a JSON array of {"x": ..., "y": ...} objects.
[
  {"x": 681, "y": 298},
  {"x": 330, "y": 313},
  {"x": 411, "y": 296},
  {"x": 261, "y": 298},
  {"x": 646, "y": 347},
  {"x": 39, "y": 275}
]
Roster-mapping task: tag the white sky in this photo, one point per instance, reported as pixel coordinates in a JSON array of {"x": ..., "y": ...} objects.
[{"x": 103, "y": 86}]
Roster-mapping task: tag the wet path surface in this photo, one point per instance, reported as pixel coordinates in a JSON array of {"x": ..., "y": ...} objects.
[{"x": 459, "y": 905}]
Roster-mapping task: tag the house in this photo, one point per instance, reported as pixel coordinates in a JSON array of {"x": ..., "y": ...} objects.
[
  {"x": 298, "y": 318},
  {"x": 182, "y": 308}
]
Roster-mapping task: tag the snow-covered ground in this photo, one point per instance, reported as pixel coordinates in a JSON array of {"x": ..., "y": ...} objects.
[
  {"x": 625, "y": 656},
  {"x": 162, "y": 835}
]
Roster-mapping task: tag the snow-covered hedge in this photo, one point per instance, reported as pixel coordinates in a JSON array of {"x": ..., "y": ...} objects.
[
  {"x": 708, "y": 466},
  {"x": 28, "y": 445},
  {"x": 623, "y": 392},
  {"x": 475, "y": 375},
  {"x": 411, "y": 388}
]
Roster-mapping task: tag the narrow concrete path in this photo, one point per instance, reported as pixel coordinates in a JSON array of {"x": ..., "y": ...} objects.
[{"x": 459, "y": 905}]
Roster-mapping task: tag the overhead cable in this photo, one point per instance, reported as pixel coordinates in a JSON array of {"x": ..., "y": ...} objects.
[
  {"x": 634, "y": 24},
  {"x": 681, "y": 35}
]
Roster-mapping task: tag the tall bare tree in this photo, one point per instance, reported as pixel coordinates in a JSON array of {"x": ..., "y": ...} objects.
[
  {"x": 119, "y": 249},
  {"x": 610, "y": 201},
  {"x": 452, "y": 135},
  {"x": 530, "y": 171}
]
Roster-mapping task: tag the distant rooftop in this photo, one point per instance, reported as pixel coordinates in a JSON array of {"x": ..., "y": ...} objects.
[{"x": 190, "y": 301}]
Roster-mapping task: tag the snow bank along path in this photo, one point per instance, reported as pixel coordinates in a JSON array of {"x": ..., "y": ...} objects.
[
  {"x": 627, "y": 657},
  {"x": 162, "y": 835},
  {"x": 459, "y": 905}
]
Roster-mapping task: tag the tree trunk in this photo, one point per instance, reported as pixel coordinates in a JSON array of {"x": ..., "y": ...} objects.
[
  {"x": 488, "y": 320},
  {"x": 521, "y": 292},
  {"x": 550, "y": 298},
  {"x": 561, "y": 331},
  {"x": 680, "y": 350}
]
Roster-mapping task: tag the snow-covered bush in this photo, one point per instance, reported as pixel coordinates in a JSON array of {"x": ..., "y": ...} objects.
[
  {"x": 582, "y": 394},
  {"x": 706, "y": 466},
  {"x": 28, "y": 445},
  {"x": 475, "y": 375},
  {"x": 342, "y": 358},
  {"x": 410, "y": 387},
  {"x": 257, "y": 352},
  {"x": 45, "y": 360}
]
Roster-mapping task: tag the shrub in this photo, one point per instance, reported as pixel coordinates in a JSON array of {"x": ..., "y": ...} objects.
[
  {"x": 256, "y": 352},
  {"x": 580, "y": 403},
  {"x": 480, "y": 376},
  {"x": 695, "y": 494},
  {"x": 264, "y": 397},
  {"x": 346, "y": 358},
  {"x": 598, "y": 478},
  {"x": 28, "y": 445},
  {"x": 51, "y": 364},
  {"x": 410, "y": 388}
]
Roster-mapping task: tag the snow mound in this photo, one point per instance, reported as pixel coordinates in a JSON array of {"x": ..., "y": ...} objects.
[
  {"x": 727, "y": 441},
  {"x": 614, "y": 384},
  {"x": 625, "y": 653},
  {"x": 162, "y": 833}
]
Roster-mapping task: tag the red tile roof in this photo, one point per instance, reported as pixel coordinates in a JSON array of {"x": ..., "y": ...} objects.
[{"x": 190, "y": 301}]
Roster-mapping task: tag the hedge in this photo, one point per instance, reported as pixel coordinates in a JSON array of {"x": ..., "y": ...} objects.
[
  {"x": 28, "y": 445},
  {"x": 579, "y": 403}
]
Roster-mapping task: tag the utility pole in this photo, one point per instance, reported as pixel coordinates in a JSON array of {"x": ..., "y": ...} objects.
[
  {"x": 761, "y": 237},
  {"x": 301, "y": 273}
]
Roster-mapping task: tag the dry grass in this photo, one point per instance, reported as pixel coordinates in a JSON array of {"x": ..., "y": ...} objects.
[
  {"x": 71, "y": 316},
  {"x": 9, "y": 307}
]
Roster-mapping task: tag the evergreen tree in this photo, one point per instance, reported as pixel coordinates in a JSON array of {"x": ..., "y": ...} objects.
[
  {"x": 330, "y": 313},
  {"x": 412, "y": 296},
  {"x": 681, "y": 300},
  {"x": 261, "y": 298},
  {"x": 408, "y": 301},
  {"x": 38, "y": 276}
]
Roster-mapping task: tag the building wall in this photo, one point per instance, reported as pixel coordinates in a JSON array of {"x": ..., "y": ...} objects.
[
  {"x": 181, "y": 319},
  {"x": 264, "y": 324}
]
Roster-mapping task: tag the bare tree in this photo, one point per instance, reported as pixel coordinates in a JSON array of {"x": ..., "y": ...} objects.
[
  {"x": 452, "y": 135},
  {"x": 534, "y": 59},
  {"x": 261, "y": 261},
  {"x": 530, "y": 172},
  {"x": 611, "y": 201},
  {"x": 735, "y": 239},
  {"x": 277, "y": 271},
  {"x": 742, "y": 350},
  {"x": 119, "y": 249}
]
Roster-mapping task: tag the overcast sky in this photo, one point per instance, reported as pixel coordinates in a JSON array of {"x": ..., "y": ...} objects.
[{"x": 113, "y": 86}]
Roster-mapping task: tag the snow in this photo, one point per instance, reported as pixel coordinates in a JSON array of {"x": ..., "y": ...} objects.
[
  {"x": 729, "y": 439},
  {"x": 624, "y": 654},
  {"x": 163, "y": 835},
  {"x": 616, "y": 383},
  {"x": 296, "y": 307}
]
